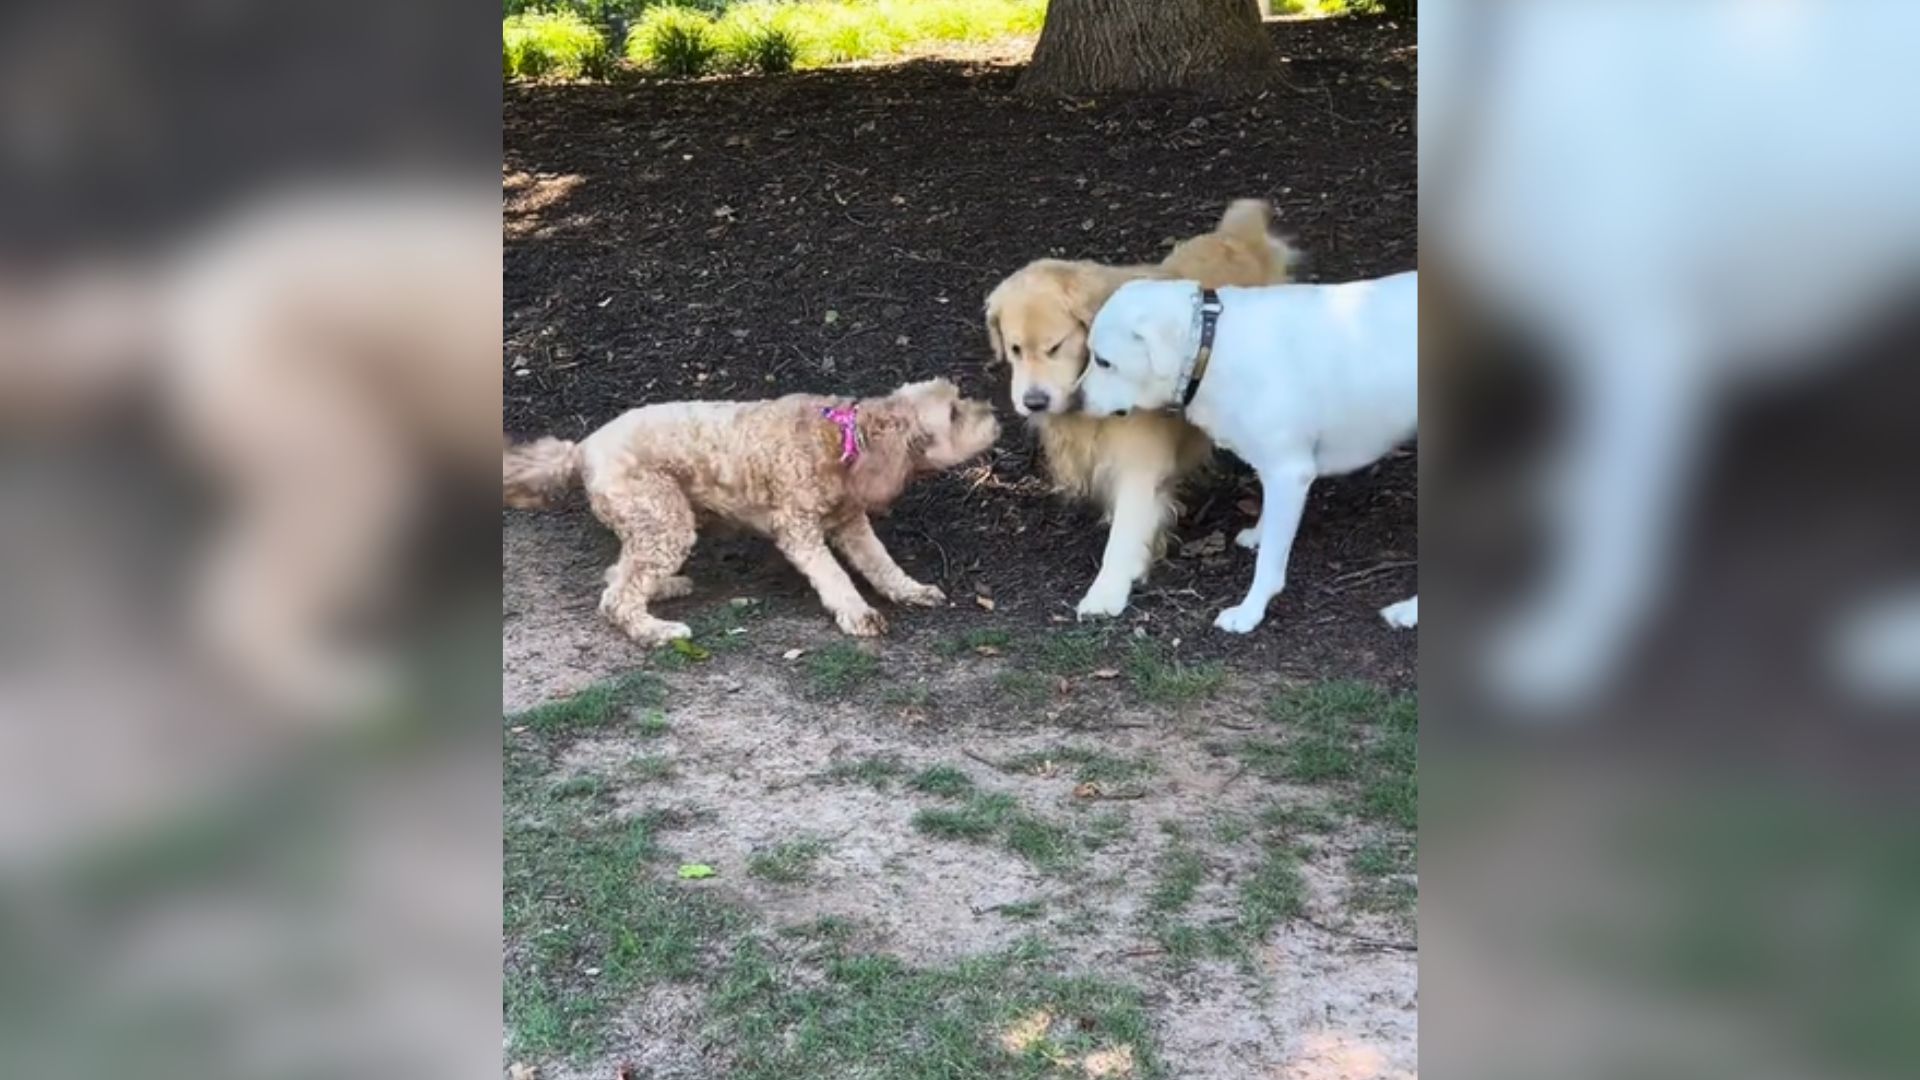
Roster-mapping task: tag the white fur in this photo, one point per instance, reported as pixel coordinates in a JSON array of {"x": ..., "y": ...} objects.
[{"x": 1305, "y": 381}]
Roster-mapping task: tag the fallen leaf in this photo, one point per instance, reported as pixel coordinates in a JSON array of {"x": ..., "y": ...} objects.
[
  {"x": 832, "y": 316},
  {"x": 696, "y": 871},
  {"x": 1249, "y": 507},
  {"x": 793, "y": 654},
  {"x": 518, "y": 1071},
  {"x": 689, "y": 650},
  {"x": 744, "y": 601},
  {"x": 984, "y": 602},
  {"x": 518, "y": 729},
  {"x": 1026, "y": 1031},
  {"x": 1088, "y": 790},
  {"x": 987, "y": 650},
  {"x": 592, "y": 971},
  {"x": 1064, "y": 686},
  {"x": 1107, "y": 673}
]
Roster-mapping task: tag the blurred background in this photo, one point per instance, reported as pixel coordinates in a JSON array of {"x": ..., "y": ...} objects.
[
  {"x": 249, "y": 310},
  {"x": 1671, "y": 662}
]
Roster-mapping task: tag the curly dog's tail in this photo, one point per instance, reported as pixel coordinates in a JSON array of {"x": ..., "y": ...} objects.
[
  {"x": 1252, "y": 220},
  {"x": 535, "y": 475}
]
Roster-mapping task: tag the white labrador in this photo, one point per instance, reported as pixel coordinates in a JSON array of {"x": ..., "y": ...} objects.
[{"x": 1300, "y": 381}]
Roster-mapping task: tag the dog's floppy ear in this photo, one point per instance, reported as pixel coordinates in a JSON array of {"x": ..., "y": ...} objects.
[{"x": 994, "y": 338}]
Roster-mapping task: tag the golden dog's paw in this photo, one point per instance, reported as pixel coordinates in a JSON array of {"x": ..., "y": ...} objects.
[
  {"x": 921, "y": 596},
  {"x": 864, "y": 623}
]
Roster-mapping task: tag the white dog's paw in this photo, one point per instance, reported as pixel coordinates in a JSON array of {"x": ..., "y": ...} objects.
[
  {"x": 1104, "y": 600},
  {"x": 1404, "y": 615},
  {"x": 861, "y": 622},
  {"x": 1241, "y": 618},
  {"x": 1249, "y": 537},
  {"x": 1546, "y": 667}
]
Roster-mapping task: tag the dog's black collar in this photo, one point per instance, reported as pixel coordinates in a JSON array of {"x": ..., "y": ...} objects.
[{"x": 1209, "y": 318}]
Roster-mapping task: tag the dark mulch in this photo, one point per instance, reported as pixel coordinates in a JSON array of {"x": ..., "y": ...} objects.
[{"x": 836, "y": 232}]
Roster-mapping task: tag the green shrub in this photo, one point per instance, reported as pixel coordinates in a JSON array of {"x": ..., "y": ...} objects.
[
  {"x": 674, "y": 40},
  {"x": 564, "y": 45},
  {"x": 768, "y": 50}
]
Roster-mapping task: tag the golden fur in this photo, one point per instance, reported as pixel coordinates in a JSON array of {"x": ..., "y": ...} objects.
[
  {"x": 771, "y": 466},
  {"x": 1131, "y": 466}
]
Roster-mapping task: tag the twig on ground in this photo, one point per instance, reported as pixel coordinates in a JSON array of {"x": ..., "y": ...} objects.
[
  {"x": 1336, "y": 583},
  {"x": 1228, "y": 782},
  {"x": 1361, "y": 939},
  {"x": 984, "y": 760}
]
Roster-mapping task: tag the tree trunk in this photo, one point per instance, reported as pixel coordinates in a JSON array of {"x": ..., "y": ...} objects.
[{"x": 1104, "y": 46}]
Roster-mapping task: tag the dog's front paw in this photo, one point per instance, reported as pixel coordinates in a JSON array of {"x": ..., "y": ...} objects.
[
  {"x": 1249, "y": 537},
  {"x": 1241, "y": 618},
  {"x": 1104, "y": 600},
  {"x": 865, "y": 622},
  {"x": 920, "y": 595},
  {"x": 1404, "y": 615}
]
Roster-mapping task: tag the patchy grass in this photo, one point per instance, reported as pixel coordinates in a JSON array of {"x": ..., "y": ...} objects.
[
  {"x": 1352, "y": 735},
  {"x": 837, "y": 670},
  {"x": 1069, "y": 652},
  {"x": 598, "y": 706},
  {"x": 1048, "y": 846},
  {"x": 973, "y": 642},
  {"x": 584, "y": 786},
  {"x": 943, "y": 780},
  {"x": 787, "y": 863},
  {"x": 878, "y": 773},
  {"x": 652, "y": 725},
  {"x": 1161, "y": 679},
  {"x": 1177, "y": 879},
  {"x": 650, "y": 769},
  {"x": 1274, "y": 891},
  {"x": 1299, "y": 818},
  {"x": 581, "y": 894},
  {"x": 910, "y": 696},
  {"x": 999, "y": 1015},
  {"x": 1023, "y": 687},
  {"x": 1383, "y": 879},
  {"x": 1089, "y": 765},
  {"x": 980, "y": 819},
  {"x": 1105, "y": 829}
]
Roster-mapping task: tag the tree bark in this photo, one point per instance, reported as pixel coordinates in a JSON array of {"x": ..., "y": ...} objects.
[{"x": 1106, "y": 46}]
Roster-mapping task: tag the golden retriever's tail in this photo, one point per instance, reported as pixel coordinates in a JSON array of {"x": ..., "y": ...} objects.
[
  {"x": 535, "y": 475},
  {"x": 1252, "y": 220}
]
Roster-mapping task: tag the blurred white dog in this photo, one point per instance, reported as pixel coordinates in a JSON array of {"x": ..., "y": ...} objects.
[
  {"x": 1300, "y": 381},
  {"x": 1669, "y": 237}
]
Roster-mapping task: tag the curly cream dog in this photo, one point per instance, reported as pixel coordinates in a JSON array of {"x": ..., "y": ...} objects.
[
  {"x": 801, "y": 469},
  {"x": 1299, "y": 381},
  {"x": 1132, "y": 467}
]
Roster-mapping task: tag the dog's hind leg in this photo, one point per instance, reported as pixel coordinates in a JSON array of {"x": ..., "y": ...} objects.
[
  {"x": 1140, "y": 511},
  {"x": 1283, "y": 500},
  {"x": 868, "y": 555},
  {"x": 1404, "y": 615},
  {"x": 655, "y": 523},
  {"x": 806, "y": 548}
]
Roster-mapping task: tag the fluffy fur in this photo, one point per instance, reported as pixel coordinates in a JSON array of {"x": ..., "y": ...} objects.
[
  {"x": 771, "y": 466},
  {"x": 1037, "y": 321},
  {"x": 1306, "y": 381}
]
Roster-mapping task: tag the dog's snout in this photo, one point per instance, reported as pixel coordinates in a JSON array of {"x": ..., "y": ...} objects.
[{"x": 1036, "y": 400}]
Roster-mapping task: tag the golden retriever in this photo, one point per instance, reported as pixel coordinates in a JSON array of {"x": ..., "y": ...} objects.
[
  {"x": 1131, "y": 466},
  {"x": 803, "y": 470}
]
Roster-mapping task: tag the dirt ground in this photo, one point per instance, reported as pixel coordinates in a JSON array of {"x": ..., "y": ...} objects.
[{"x": 836, "y": 232}]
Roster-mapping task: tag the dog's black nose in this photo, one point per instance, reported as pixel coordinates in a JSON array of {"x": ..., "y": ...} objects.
[
  {"x": 1036, "y": 400},
  {"x": 1121, "y": 412}
]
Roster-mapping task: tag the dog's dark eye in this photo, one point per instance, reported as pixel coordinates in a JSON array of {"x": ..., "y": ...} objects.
[
  {"x": 1014, "y": 350},
  {"x": 1055, "y": 350},
  {"x": 953, "y": 413},
  {"x": 1101, "y": 362}
]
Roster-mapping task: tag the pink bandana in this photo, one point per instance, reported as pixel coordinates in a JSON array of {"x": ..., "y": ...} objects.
[{"x": 848, "y": 418}]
